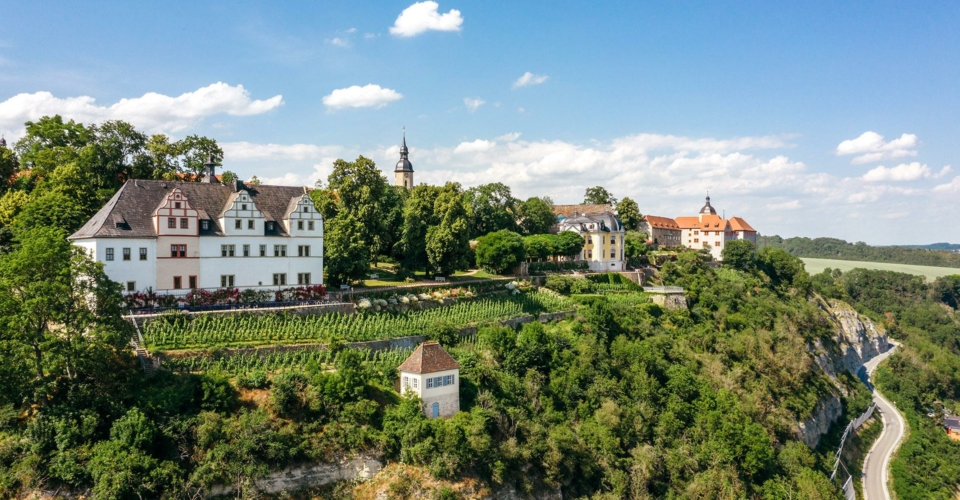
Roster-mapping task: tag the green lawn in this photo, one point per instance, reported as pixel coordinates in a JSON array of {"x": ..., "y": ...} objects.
[{"x": 815, "y": 266}]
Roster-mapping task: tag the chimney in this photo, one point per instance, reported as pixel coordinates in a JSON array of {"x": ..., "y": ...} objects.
[{"x": 210, "y": 176}]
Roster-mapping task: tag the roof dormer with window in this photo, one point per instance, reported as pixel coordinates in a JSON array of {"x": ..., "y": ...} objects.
[
  {"x": 175, "y": 216},
  {"x": 241, "y": 217}
]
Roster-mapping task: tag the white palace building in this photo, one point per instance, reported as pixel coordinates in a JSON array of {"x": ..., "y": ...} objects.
[{"x": 168, "y": 236}]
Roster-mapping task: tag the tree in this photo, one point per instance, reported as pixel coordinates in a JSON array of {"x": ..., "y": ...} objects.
[
  {"x": 629, "y": 214},
  {"x": 228, "y": 177},
  {"x": 500, "y": 251},
  {"x": 347, "y": 252},
  {"x": 536, "y": 215},
  {"x": 634, "y": 247},
  {"x": 52, "y": 209},
  {"x": 946, "y": 289},
  {"x": 9, "y": 164},
  {"x": 740, "y": 254},
  {"x": 598, "y": 195},
  {"x": 59, "y": 308},
  {"x": 447, "y": 243},
  {"x": 568, "y": 244},
  {"x": 11, "y": 204},
  {"x": 194, "y": 151},
  {"x": 418, "y": 216},
  {"x": 784, "y": 270},
  {"x": 362, "y": 190},
  {"x": 539, "y": 246},
  {"x": 493, "y": 208}
]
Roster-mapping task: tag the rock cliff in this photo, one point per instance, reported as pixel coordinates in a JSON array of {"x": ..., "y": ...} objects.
[{"x": 856, "y": 340}]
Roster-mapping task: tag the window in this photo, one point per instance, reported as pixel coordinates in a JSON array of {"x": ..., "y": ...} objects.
[
  {"x": 226, "y": 280},
  {"x": 205, "y": 225},
  {"x": 176, "y": 205},
  {"x": 126, "y": 254},
  {"x": 238, "y": 224},
  {"x": 279, "y": 250},
  {"x": 178, "y": 251},
  {"x": 269, "y": 226},
  {"x": 696, "y": 240},
  {"x": 430, "y": 383},
  {"x": 448, "y": 380},
  {"x": 228, "y": 250},
  {"x": 310, "y": 226},
  {"x": 243, "y": 206},
  {"x": 613, "y": 239},
  {"x": 109, "y": 254},
  {"x": 172, "y": 223},
  {"x": 696, "y": 231},
  {"x": 131, "y": 286},
  {"x": 414, "y": 383},
  {"x": 193, "y": 282},
  {"x": 303, "y": 250},
  {"x": 250, "y": 224},
  {"x": 184, "y": 223},
  {"x": 279, "y": 279},
  {"x": 406, "y": 381},
  {"x": 246, "y": 250},
  {"x": 589, "y": 254},
  {"x": 177, "y": 282},
  {"x": 303, "y": 278},
  {"x": 613, "y": 254},
  {"x": 143, "y": 253},
  {"x": 300, "y": 225},
  {"x": 306, "y": 209},
  {"x": 263, "y": 250}
]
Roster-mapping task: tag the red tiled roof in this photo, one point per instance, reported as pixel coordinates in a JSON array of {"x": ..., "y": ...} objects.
[
  {"x": 429, "y": 357},
  {"x": 660, "y": 222},
  {"x": 707, "y": 222},
  {"x": 738, "y": 224}
]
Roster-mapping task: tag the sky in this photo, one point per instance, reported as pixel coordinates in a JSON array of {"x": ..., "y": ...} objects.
[{"x": 806, "y": 118}]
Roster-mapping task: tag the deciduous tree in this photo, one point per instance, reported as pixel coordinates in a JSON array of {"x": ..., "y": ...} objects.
[
  {"x": 598, "y": 195},
  {"x": 500, "y": 251}
]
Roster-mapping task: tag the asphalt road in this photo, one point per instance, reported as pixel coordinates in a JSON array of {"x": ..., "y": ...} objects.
[{"x": 877, "y": 464}]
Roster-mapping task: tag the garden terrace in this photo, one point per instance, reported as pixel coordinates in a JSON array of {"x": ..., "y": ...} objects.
[{"x": 176, "y": 332}]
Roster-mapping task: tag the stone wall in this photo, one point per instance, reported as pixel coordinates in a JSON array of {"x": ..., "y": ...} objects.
[
  {"x": 310, "y": 476},
  {"x": 669, "y": 300},
  {"x": 449, "y": 404}
]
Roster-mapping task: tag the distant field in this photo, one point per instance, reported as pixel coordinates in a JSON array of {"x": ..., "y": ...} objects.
[{"x": 815, "y": 266}]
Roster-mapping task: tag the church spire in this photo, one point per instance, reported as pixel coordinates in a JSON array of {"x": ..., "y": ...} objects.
[{"x": 403, "y": 173}]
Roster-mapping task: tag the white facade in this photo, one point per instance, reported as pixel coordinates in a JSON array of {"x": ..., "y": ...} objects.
[
  {"x": 439, "y": 391},
  {"x": 178, "y": 245}
]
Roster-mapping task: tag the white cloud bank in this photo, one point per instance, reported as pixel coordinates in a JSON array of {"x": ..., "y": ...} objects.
[
  {"x": 870, "y": 147},
  {"x": 151, "y": 112},
  {"x": 903, "y": 172},
  {"x": 473, "y": 103},
  {"x": 368, "y": 96},
  {"x": 528, "y": 79},
  {"x": 422, "y": 17}
]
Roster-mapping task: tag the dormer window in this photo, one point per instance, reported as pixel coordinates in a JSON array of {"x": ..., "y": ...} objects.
[
  {"x": 205, "y": 225},
  {"x": 269, "y": 226}
]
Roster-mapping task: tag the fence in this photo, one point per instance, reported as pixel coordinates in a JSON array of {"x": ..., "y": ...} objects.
[{"x": 848, "y": 490}]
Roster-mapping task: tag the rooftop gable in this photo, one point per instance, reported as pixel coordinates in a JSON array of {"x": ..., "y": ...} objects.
[{"x": 429, "y": 357}]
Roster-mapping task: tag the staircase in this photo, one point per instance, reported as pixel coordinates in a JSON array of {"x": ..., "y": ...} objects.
[{"x": 149, "y": 364}]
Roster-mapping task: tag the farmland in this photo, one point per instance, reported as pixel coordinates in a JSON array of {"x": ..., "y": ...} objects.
[
  {"x": 815, "y": 266},
  {"x": 180, "y": 332}
]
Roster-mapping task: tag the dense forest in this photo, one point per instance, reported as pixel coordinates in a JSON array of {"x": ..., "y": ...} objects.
[
  {"x": 832, "y": 248},
  {"x": 923, "y": 378}
]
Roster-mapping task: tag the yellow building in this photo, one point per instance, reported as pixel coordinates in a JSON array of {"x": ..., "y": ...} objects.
[{"x": 604, "y": 236}]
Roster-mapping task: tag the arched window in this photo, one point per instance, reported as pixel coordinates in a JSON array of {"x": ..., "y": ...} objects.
[{"x": 436, "y": 409}]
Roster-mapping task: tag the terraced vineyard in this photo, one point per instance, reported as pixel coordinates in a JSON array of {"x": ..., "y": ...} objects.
[
  {"x": 244, "y": 330},
  {"x": 248, "y": 362}
]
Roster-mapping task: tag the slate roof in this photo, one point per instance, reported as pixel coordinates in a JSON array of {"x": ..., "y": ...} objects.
[
  {"x": 951, "y": 423},
  {"x": 607, "y": 221},
  {"x": 136, "y": 201},
  {"x": 429, "y": 357}
]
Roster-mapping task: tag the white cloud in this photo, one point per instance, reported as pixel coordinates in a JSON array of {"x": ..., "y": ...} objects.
[
  {"x": 529, "y": 78},
  {"x": 512, "y": 136},
  {"x": 152, "y": 112},
  {"x": 352, "y": 30},
  {"x": 422, "y": 17},
  {"x": 473, "y": 103},
  {"x": 474, "y": 147},
  {"x": 339, "y": 42},
  {"x": 904, "y": 172},
  {"x": 368, "y": 96},
  {"x": 950, "y": 187},
  {"x": 521, "y": 110},
  {"x": 369, "y": 35},
  {"x": 871, "y": 147}
]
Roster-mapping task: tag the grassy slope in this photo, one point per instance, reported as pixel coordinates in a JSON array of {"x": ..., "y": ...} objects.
[{"x": 815, "y": 266}]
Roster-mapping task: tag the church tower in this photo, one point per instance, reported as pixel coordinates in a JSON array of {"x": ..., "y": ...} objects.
[{"x": 403, "y": 174}]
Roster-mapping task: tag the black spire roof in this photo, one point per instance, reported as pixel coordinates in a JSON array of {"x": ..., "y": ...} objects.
[
  {"x": 3, "y": 142},
  {"x": 708, "y": 208},
  {"x": 404, "y": 164}
]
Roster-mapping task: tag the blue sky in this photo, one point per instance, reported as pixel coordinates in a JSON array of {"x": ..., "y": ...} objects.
[{"x": 661, "y": 102}]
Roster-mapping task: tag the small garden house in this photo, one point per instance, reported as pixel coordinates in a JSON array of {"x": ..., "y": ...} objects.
[{"x": 431, "y": 373}]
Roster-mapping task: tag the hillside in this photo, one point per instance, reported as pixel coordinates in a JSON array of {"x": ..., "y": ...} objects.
[
  {"x": 832, "y": 248},
  {"x": 626, "y": 399}
]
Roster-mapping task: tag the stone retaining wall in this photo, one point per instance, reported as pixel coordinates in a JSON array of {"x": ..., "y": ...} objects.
[{"x": 310, "y": 476}]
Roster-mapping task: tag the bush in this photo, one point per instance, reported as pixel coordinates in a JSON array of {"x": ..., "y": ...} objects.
[
  {"x": 256, "y": 379},
  {"x": 500, "y": 251}
]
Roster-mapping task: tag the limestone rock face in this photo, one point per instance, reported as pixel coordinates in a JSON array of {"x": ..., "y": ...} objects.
[
  {"x": 311, "y": 476},
  {"x": 827, "y": 411}
]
